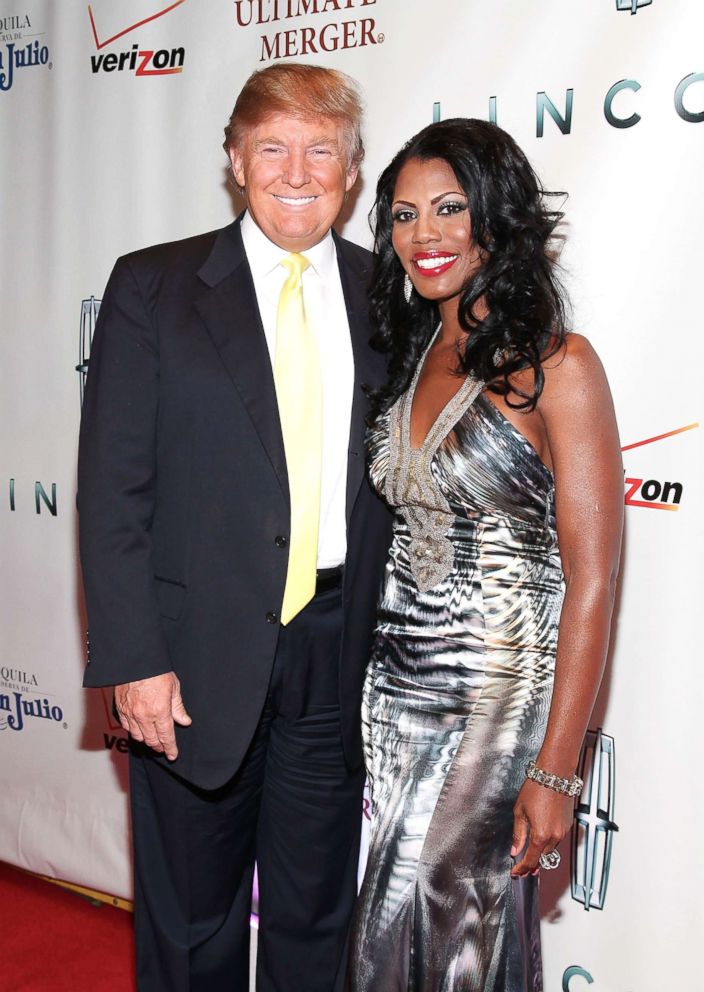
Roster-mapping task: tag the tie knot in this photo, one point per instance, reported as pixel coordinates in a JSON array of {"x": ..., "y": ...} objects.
[{"x": 295, "y": 264}]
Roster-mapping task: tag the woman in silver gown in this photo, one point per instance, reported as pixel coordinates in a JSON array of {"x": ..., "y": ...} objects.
[{"x": 495, "y": 443}]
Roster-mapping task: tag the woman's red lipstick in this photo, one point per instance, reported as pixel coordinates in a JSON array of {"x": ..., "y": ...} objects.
[{"x": 429, "y": 256}]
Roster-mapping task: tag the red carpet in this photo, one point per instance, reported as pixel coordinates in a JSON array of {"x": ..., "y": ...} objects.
[{"x": 52, "y": 940}]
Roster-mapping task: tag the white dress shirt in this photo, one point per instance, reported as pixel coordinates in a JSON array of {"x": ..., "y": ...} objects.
[{"x": 326, "y": 314}]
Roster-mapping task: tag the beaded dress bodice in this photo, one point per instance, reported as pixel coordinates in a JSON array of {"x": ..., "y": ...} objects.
[
  {"x": 473, "y": 465},
  {"x": 411, "y": 486}
]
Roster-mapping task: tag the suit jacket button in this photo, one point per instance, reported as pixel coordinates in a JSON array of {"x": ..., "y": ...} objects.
[
  {"x": 272, "y": 617},
  {"x": 280, "y": 541}
]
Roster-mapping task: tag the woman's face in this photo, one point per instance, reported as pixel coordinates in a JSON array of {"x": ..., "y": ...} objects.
[{"x": 432, "y": 229}]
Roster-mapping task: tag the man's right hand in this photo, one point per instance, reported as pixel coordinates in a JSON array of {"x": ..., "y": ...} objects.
[{"x": 148, "y": 710}]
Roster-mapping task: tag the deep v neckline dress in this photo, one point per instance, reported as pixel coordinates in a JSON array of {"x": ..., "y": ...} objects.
[{"x": 456, "y": 701}]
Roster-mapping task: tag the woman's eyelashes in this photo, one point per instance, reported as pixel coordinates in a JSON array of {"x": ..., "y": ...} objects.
[
  {"x": 402, "y": 215},
  {"x": 451, "y": 207}
]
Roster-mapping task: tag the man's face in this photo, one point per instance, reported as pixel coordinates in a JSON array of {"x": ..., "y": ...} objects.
[{"x": 295, "y": 176}]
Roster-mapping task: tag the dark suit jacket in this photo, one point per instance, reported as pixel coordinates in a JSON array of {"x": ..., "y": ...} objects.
[{"x": 182, "y": 492}]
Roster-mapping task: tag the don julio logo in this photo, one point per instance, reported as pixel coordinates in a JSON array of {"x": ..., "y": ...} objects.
[
  {"x": 594, "y": 826},
  {"x": 16, "y": 706},
  {"x": 21, "y": 47}
]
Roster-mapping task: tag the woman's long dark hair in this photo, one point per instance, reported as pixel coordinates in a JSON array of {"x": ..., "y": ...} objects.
[{"x": 513, "y": 227}]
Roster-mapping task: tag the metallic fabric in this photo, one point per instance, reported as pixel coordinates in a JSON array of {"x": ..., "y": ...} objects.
[
  {"x": 411, "y": 487},
  {"x": 455, "y": 703}
]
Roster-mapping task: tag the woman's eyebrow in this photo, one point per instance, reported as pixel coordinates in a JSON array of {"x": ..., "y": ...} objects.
[{"x": 456, "y": 192}]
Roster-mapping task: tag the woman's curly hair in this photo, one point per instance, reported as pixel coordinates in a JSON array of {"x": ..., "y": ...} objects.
[{"x": 517, "y": 278}]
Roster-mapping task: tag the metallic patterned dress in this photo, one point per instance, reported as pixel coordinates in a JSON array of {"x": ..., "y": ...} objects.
[{"x": 456, "y": 702}]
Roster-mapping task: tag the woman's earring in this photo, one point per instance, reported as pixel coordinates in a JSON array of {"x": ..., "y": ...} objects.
[
  {"x": 496, "y": 357},
  {"x": 407, "y": 287}
]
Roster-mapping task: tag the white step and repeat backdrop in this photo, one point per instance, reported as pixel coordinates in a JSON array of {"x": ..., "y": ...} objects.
[{"x": 111, "y": 119}]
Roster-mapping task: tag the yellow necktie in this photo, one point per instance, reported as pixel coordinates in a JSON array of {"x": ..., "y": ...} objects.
[{"x": 299, "y": 397}]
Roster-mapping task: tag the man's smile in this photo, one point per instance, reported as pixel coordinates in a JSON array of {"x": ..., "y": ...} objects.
[{"x": 295, "y": 201}]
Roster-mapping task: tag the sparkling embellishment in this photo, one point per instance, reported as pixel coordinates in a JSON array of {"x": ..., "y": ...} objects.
[
  {"x": 549, "y": 860},
  {"x": 411, "y": 485},
  {"x": 571, "y": 787}
]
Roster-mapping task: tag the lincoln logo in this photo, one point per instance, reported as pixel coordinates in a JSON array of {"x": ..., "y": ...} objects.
[
  {"x": 615, "y": 106},
  {"x": 594, "y": 825},
  {"x": 90, "y": 309},
  {"x": 632, "y": 5},
  {"x": 574, "y": 971}
]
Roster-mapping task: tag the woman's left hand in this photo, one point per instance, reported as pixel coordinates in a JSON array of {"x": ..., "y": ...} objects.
[{"x": 541, "y": 817}]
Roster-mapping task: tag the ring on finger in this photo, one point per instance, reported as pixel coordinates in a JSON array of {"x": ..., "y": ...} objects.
[{"x": 549, "y": 860}]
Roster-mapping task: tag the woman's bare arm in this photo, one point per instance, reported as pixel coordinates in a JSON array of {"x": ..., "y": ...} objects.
[{"x": 577, "y": 411}]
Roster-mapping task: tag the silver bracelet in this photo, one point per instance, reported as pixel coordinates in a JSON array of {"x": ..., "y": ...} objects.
[{"x": 565, "y": 786}]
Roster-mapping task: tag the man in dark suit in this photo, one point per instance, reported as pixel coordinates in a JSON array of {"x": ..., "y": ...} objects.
[{"x": 232, "y": 553}]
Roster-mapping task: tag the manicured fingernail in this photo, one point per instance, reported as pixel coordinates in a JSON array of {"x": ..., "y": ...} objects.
[{"x": 513, "y": 851}]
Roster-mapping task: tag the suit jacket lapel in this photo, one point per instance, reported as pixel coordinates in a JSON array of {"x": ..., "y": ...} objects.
[
  {"x": 231, "y": 316},
  {"x": 355, "y": 278}
]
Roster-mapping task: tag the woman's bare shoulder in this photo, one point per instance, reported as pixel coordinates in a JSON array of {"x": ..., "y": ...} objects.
[{"x": 574, "y": 365}]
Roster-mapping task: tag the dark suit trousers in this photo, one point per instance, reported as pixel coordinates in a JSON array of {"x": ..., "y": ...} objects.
[{"x": 292, "y": 805}]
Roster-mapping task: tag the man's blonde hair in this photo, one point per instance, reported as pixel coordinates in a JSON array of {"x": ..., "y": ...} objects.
[{"x": 302, "y": 91}]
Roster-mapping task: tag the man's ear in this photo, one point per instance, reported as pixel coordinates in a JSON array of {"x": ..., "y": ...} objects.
[
  {"x": 351, "y": 177},
  {"x": 237, "y": 162}
]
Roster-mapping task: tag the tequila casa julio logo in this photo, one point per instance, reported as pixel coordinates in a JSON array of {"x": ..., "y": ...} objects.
[
  {"x": 110, "y": 22},
  {"x": 22, "y": 46},
  {"x": 654, "y": 493},
  {"x": 22, "y": 701},
  {"x": 284, "y": 36}
]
